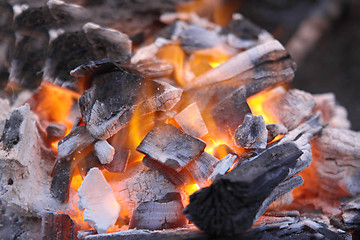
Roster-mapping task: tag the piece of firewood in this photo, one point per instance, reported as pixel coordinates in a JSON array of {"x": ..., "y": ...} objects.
[
  {"x": 160, "y": 214},
  {"x": 98, "y": 200},
  {"x": 57, "y": 226},
  {"x": 230, "y": 205},
  {"x": 252, "y": 133},
  {"x": 290, "y": 107},
  {"x": 170, "y": 146}
]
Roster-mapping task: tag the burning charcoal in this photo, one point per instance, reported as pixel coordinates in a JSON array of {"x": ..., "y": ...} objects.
[
  {"x": 201, "y": 168},
  {"x": 63, "y": 57},
  {"x": 62, "y": 175},
  {"x": 351, "y": 213},
  {"x": 170, "y": 146},
  {"x": 269, "y": 51},
  {"x": 28, "y": 60},
  {"x": 242, "y": 28},
  {"x": 230, "y": 205},
  {"x": 222, "y": 150},
  {"x": 108, "y": 108},
  {"x": 291, "y": 107},
  {"x": 104, "y": 151},
  {"x": 177, "y": 178},
  {"x": 77, "y": 139},
  {"x": 116, "y": 45},
  {"x": 98, "y": 200},
  {"x": 252, "y": 133},
  {"x": 195, "y": 38},
  {"x": 65, "y": 13},
  {"x": 25, "y": 20},
  {"x": 57, "y": 226},
  {"x": 331, "y": 112},
  {"x": 223, "y": 166},
  {"x": 119, "y": 162},
  {"x": 229, "y": 113},
  {"x": 154, "y": 68},
  {"x": 90, "y": 161},
  {"x": 274, "y": 130},
  {"x": 173, "y": 31},
  {"x": 191, "y": 121},
  {"x": 335, "y": 168},
  {"x": 55, "y": 131},
  {"x": 149, "y": 52},
  {"x": 160, "y": 214},
  {"x": 24, "y": 168}
]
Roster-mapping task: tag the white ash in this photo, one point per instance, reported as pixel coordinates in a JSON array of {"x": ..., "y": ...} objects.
[
  {"x": 104, "y": 151},
  {"x": 5, "y": 108},
  {"x": 98, "y": 200}
]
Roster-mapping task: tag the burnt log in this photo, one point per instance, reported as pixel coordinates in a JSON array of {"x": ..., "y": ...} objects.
[
  {"x": 109, "y": 104},
  {"x": 252, "y": 133},
  {"x": 201, "y": 168},
  {"x": 177, "y": 178},
  {"x": 57, "y": 226},
  {"x": 290, "y": 107},
  {"x": 170, "y": 146},
  {"x": 230, "y": 205},
  {"x": 160, "y": 214}
]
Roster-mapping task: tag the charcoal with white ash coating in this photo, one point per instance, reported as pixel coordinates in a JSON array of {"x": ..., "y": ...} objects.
[
  {"x": 109, "y": 104},
  {"x": 252, "y": 133},
  {"x": 170, "y": 146},
  {"x": 195, "y": 38},
  {"x": 57, "y": 226},
  {"x": 159, "y": 214},
  {"x": 351, "y": 213},
  {"x": 223, "y": 166},
  {"x": 55, "y": 132},
  {"x": 274, "y": 130},
  {"x": 230, "y": 205},
  {"x": 201, "y": 168}
]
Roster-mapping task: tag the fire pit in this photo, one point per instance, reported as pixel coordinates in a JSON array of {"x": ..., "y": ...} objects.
[{"x": 186, "y": 130}]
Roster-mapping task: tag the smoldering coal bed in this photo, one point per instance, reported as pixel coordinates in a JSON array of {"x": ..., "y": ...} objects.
[{"x": 191, "y": 136}]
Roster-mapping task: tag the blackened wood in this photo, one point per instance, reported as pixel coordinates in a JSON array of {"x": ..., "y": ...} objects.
[
  {"x": 57, "y": 226},
  {"x": 119, "y": 162},
  {"x": 55, "y": 132},
  {"x": 178, "y": 178},
  {"x": 229, "y": 113},
  {"x": 201, "y": 168},
  {"x": 160, "y": 214},
  {"x": 78, "y": 139},
  {"x": 291, "y": 107},
  {"x": 170, "y": 146},
  {"x": 252, "y": 133},
  {"x": 274, "y": 130},
  {"x": 229, "y": 206},
  {"x": 62, "y": 175}
]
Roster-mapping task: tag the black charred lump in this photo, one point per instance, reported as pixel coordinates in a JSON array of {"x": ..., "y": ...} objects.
[{"x": 11, "y": 135}]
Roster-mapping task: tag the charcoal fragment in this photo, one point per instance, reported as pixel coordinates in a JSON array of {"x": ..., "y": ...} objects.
[{"x": 252, "y": 133}]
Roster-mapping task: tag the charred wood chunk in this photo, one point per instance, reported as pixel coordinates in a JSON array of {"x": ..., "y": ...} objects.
[
  {"x": 267, "y": 54},
  {"x": 57, "y": 226},
  {"x": 108, "y": 42},
  {"x": 230, "y": 205},
  {"x": 223, "y": 166},
  {"x": 291, "y": 107},
  {"x": 154, "y": 68},
  {"x": 229, "y": 113},
  {"x": 26, "y": 19},
  {"x": 11, "y": 133},
  {"x": 177, "y": 178},
  {"x": 201, "y": 168},
  {"x": 66, "y": 14},
  {"x": 160, "y": 214},
  {"x": 62, "y": 175},
  {"x": 191, "y": 121},
  {"x": 66, "y": 52},
  {"x": 119, "y": 162},
  {"x": 351, "y": 213},
  {"x": 108, "y": 105},
  {"x": 170, "y": 146},
  {"x": 222, "y": 150},
  {"x": 55, "y": 132},
  {"x": 252, "y": 133},
  {"x": 195, "y": 38},
  {"x": 77, "y": 139},
  {"x": 274, "y": 130},
  {"x": 90, "y": 161},
  {"x": 242, "y": 28}
]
